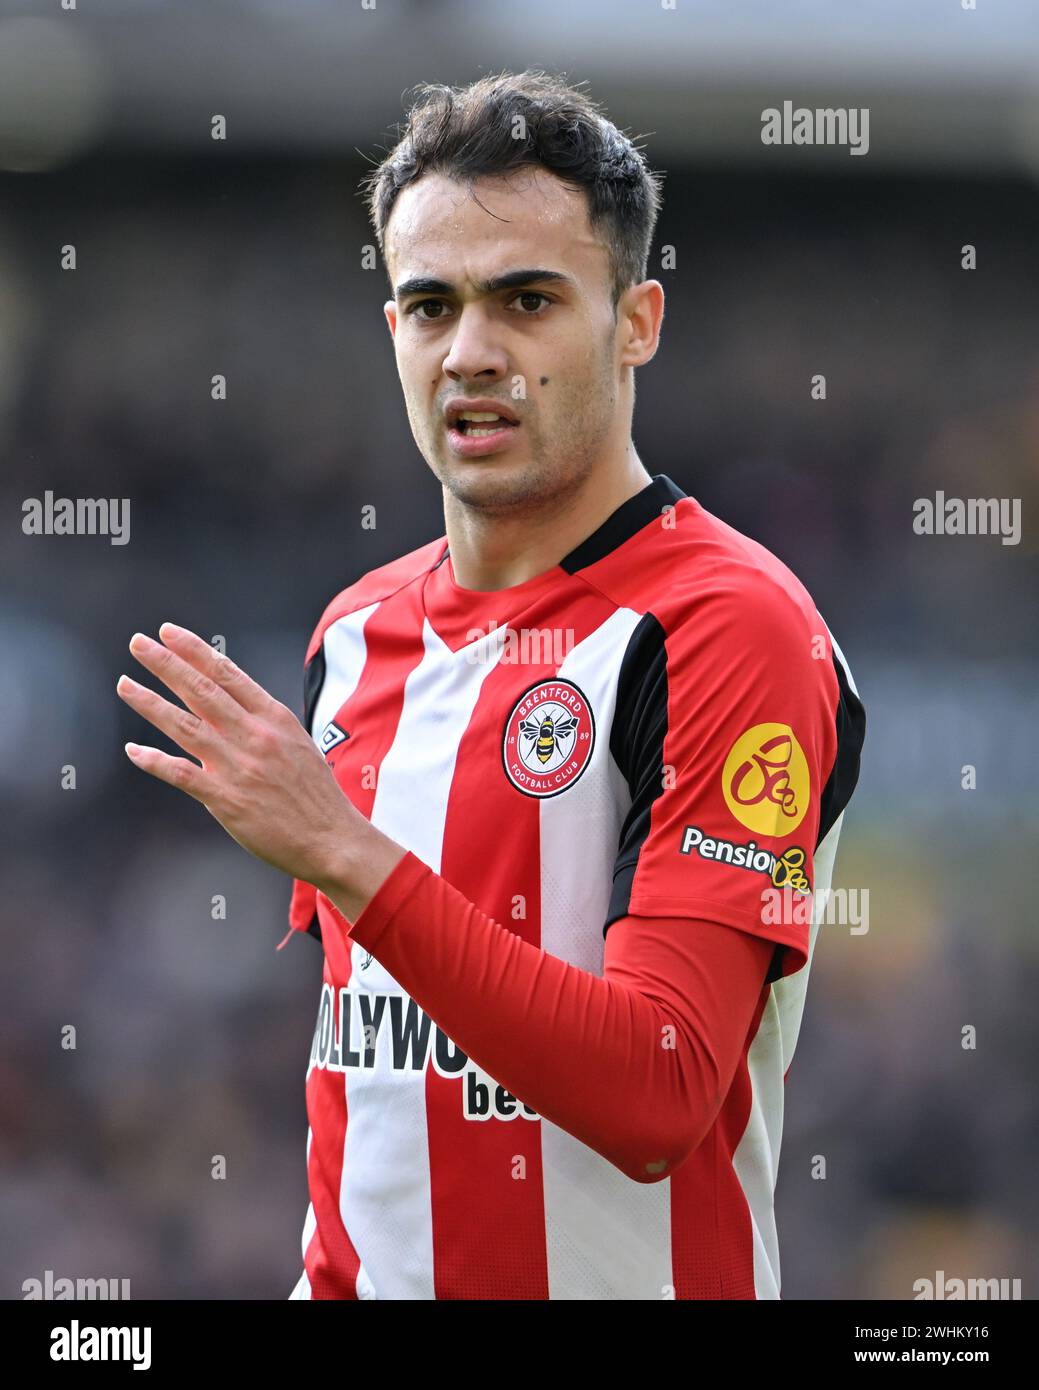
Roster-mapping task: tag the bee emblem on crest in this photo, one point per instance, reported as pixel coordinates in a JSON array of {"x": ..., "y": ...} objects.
[{"x": 549, "y": 738}]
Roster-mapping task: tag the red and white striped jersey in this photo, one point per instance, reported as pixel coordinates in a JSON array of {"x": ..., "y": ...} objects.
[{"x": 659, "y": 726}]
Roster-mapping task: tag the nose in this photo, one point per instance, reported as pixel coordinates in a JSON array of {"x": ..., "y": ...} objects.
[{"x": 475, "y": 350}]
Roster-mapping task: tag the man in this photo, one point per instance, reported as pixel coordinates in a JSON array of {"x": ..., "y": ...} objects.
[{"x": 575, "y": 770}]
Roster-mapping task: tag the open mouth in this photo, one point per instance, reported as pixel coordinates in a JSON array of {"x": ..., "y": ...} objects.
[{"x": 482, "y": 429}]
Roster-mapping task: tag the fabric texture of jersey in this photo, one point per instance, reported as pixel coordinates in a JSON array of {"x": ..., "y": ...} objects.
[{"x": 659, "y": 727}]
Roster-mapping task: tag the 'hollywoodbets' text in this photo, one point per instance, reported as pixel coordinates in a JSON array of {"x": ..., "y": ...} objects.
[{"x": 354, "y": 1025}]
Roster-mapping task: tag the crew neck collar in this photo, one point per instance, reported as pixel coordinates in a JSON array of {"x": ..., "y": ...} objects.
[{"x": 455, "y": 611}]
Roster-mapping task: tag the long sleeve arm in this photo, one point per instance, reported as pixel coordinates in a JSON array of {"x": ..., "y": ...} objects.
[{"x": 635, "y": 1063}]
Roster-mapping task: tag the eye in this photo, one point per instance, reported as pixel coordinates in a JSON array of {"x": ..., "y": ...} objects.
[
  {"x": 532, "y": 294},
  {"x": 414, "y": 308}
]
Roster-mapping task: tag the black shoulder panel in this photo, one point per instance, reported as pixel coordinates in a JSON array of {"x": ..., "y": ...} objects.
[
  {"x": 637, "y": 745},
  {"x": 313, "y": 680},
  {"x": 851, "y": 733}
]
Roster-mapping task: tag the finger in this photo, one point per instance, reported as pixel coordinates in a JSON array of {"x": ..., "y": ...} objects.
[
  {"x": 201, "y": 694},
  {"x": 177, "y": 772},
  {"x": 218, "y": 667},
  {"x": 193, "y": 734}
]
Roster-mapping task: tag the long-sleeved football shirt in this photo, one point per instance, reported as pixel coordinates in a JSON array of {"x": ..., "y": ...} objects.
[{"x": 550, "y": 1054}]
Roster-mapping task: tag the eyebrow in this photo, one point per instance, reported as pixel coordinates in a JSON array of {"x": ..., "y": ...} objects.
[{"x": 511, "y": 280}]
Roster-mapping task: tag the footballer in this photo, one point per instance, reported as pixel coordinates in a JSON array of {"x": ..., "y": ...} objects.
[{"x": 569, "y": 780}]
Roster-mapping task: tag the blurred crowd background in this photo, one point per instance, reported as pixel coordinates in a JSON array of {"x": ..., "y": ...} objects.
[{"x": 196, "y": 257}]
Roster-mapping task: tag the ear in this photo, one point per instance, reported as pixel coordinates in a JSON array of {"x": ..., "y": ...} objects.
[
  {"x": 641, "y": 313},
  {"x": 390, "y": 310}
]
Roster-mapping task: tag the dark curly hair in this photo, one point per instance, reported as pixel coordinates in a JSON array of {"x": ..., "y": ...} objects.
[{"x": 509, "y": 121}]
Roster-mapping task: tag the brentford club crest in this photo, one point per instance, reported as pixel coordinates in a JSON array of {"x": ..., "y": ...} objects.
[{"x": 549, "y": 737}]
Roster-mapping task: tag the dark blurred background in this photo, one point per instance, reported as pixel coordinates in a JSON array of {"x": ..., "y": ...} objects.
[{"x": 244, "y": 257}]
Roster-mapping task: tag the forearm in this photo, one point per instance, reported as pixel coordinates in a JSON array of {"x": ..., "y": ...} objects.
[{"x": 632, "y": 1074}]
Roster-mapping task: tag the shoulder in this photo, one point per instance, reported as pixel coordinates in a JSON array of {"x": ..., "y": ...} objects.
[
  {"x": 705, "y": 588},
  {"x": 377, "y": 585}
]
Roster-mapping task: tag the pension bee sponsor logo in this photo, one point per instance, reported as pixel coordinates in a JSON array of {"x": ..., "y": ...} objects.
[
  {"x": 549, "y": 737},
  {"x": 765, "y": 780},
  {"x": 786, "y": 870}
]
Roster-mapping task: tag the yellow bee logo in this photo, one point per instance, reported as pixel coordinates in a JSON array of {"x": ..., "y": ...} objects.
[
  {"x": 546, "y": 734},
  {"x": 789, "y": 871}
]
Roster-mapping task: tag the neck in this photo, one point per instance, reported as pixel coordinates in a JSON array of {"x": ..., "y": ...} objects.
[{"x": 491, "y": 552}]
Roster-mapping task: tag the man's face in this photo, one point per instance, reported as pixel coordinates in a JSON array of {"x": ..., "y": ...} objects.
[{"x": 546, "y": 349}]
